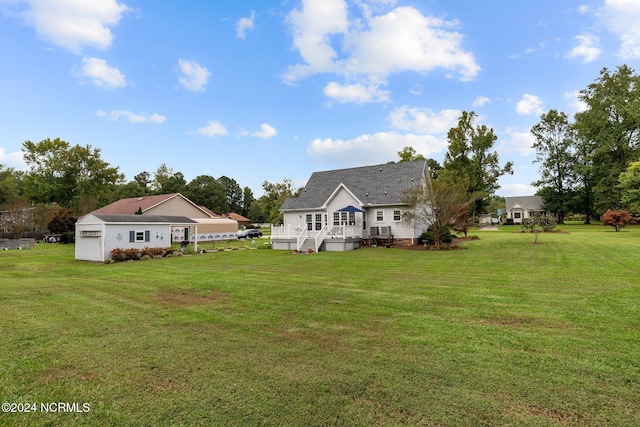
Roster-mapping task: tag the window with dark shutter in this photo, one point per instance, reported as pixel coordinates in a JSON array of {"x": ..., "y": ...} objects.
[
  {"x": 132, "y": 236},
  {"x": 147, "y": 236}
]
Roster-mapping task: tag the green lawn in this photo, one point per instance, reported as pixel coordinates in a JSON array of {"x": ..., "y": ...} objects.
[{"x": 502, "y": 333}]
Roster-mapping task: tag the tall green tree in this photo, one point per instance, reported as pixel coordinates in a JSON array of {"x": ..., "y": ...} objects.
[
  {"x": 408, "y": 154},
  {"x": 10, "y": 184},
  {"x": 611, "y": 127},
  {"x": 629, "y": 184},
  {"x": 167, "y": 181},
  {"x": 583, "y": 170},
  {"x": 554, "y": 145},
  {"x": 470, "y": 159},
  {"x": 233, "y": 194},
  {"x": 247, "y": 200},
  {"x": 205, "y": 190},
  {"x": 71, "y": 176},
  {"x": 267, "y": 207},
  {"x": 144, "y": 181}
]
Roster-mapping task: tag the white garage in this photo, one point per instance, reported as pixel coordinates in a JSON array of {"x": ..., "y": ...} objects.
[{"x": 98, "y": 234}]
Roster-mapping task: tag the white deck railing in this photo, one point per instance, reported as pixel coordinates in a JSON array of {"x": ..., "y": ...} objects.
[
  {"x": 344, "y": 231},
  {"x": 320, "y": 237},
  {"x": 286, "y": 231},
  {"x": 301, "y": 233},
  {"x": 301, "y": 238}
]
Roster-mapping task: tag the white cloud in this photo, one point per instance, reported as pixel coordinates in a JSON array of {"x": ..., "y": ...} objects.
[
  {"x": 72, "y": 25},
  {"x": 515, "y": 190},
  {"x": 517, "y": 143},
  {"x": 357, "y": 93},
  {"x": 101, "y": 74},
  {"x": 481, "y": 101},
  {"x": 401, "y": 40},
  {"x": 15, "y": 159},
  {"x": 423, "y": 120},
  {"x": 245, "y": 24},
  {"x": 194, "y": 76},
  {"x": 574, "y": 102},
  {"x": 587, "y": 48},
  {"x": 622, "y": 17},
  {"x": 266, "y": 132},
  {"x": 132, "y": 117},
  {"x": 380, "y": 147},
  {"x": 416, "y": 89},
  {"x": 213, "y": 129},
  {"x": 530, "y": 104},
  {"x": 406, "y": 40}
]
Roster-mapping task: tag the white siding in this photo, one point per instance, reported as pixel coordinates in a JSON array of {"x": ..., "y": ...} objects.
[
  {"x": 95, "y": 240},
  {"x": 117, "y": 236},
  {"x": 403, "y": 229},
  {"x": 89, "y": 247}
]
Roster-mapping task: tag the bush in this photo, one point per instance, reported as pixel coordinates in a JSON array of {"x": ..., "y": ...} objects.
[
  {"x": 145, "y": 258},
  {"x": 117, "y": 254},
  {"x": 428, "y": 238},
  {"x": 132, "y": 254},
  {"x": 68, "y": 237},
  {"x": 152, "y": 252}
]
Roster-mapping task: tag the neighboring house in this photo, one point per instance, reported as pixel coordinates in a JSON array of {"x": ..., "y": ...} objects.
[
  {"x": 342, "y": 209},
  {"x": 242, "y": 221},
  {"x": 520, "y": 208},
  {"x": 98, "y": 234},
  {"x": 162, "y": 204},
  {"x": 212, "y": 227}
]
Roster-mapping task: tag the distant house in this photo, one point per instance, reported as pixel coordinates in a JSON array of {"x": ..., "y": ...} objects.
[
  {"x": 242, "y": 221},
  {"x": 212, "y": 227},
  {"x": 522, "y": 207},
  {"x": 98, "y": 234},
  {"x": 161, "y": 204},
  {"x": 342, "y": 209}
]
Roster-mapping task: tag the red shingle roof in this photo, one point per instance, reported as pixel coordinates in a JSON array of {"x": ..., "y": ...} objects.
[
  {"x": 237, "y": 217},
  {"x": 131, "y": 206}
]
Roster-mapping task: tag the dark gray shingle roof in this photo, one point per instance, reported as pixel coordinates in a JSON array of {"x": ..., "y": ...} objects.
[
  {"x": 532, "y": 203},
  {"x": 372, "y": 185}
]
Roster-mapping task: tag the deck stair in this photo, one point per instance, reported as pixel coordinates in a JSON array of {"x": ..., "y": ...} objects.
[{"x": 310, "y": 243}]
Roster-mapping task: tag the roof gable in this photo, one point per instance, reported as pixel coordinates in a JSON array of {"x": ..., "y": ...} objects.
[
  {"x": 532, "y": 203},
  {"x": 376, "y": 185},
  {"x": 131, "y": 205}
]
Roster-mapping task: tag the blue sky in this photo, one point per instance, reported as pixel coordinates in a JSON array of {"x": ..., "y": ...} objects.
[{"x": 263, "y": 90}]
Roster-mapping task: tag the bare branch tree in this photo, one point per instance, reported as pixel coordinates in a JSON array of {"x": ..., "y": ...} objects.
[{"x": 438, "y": 204}]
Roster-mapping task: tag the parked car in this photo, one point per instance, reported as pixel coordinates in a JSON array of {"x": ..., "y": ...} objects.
[{"x": 250, "y": 233}]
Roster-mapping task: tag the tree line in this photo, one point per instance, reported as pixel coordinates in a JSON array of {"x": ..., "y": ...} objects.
[
  {"x": 591, "y": 164},
  {"x": 588, "y": 165},
  {"x": 75, "y": 180}
]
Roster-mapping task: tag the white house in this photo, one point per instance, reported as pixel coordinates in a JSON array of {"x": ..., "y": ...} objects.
[
  {"x": 98, "y": 234},
  {"x": 343, "y": 209},
  {"x": 522, "y": 207}
]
